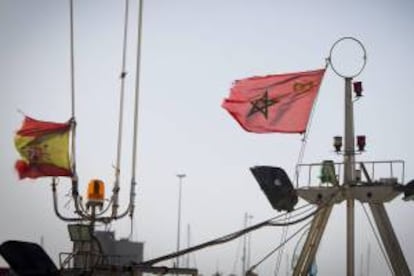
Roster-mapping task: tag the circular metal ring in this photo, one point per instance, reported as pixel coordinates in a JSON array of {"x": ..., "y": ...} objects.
[{"x": 364, "y": 57}]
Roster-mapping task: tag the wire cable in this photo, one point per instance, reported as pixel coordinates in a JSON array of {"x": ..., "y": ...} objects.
[
  {"x": 280, "y": 252},
  {"x": 236, "y": 259},
  {"x": 307, "y": 131},
  {"x": 232, "y": 236},
  {"x": 279, "y": 246},
  {"x": 378, "y": 239}
]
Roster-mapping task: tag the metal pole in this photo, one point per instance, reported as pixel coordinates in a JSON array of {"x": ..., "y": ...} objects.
[
  {"x": 368, "y": 258},
  {"x": 349, "y": 161},
  {"x": 116, "y": 188},
  {"x": 249, "y": 246},
  {"x": 75, "y": 192},
  {"x": 188, "y": 246},
  {"x": 180, "y": 177},
  {"x": 249, "y": 242},
  {"x": 244, "y": 247},
  {"x": 136, "y": 107}
]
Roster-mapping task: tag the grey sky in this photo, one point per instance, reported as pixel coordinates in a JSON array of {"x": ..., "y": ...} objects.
[{"x": 192, "y": 52}]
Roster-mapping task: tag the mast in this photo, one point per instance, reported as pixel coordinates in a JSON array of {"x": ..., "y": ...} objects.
[
  {"x": 319, "y": 195},
  {"x": 349, "y": 156},
  {"x": 349, "y": 165}
]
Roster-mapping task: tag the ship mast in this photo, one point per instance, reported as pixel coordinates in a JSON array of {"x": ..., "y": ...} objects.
[
  {"x": 349, "y": 164},
  {"x": 353, "y": 188}
]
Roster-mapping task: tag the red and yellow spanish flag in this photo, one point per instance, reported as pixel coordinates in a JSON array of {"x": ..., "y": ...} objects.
[
  {"x": 44, "y": 149},
  {"x": 274, "y": 103}
]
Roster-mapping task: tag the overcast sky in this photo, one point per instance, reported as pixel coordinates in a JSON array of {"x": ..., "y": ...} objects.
[{"x": 192, "y": 51}]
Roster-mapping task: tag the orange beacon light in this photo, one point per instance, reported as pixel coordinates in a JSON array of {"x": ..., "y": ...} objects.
[{"x": 96, "y": 193}]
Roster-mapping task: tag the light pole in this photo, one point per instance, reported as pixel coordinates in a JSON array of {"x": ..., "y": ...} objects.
[{"x": 180, "y": 182}]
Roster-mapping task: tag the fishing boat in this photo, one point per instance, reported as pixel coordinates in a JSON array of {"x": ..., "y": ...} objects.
[{"x": 327, "y": 183}]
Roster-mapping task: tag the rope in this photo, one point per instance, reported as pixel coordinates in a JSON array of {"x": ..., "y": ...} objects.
[
  {"x": 306, "y": 133},
  {"x": 279, "y": 247},
  {"x": 378, "y": 239},
  {"x": 231, "y": 236}
]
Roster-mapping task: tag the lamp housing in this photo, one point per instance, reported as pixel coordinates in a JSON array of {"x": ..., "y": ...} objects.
[
  {"x": 358, "y": 88},
  {"x": 361, "y": 142},
  {"x": 338, "y": 143}
]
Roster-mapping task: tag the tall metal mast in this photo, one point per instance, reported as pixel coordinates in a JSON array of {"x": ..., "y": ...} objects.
[
  {"x": 375, "y": 193},
  {"x": 349, "y": 165}
]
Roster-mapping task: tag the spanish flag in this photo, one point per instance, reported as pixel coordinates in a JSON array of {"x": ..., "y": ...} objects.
[{"x": 44, "y": 149}]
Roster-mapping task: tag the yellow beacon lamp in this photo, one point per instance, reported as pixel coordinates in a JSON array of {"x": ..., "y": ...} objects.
[{"x": 96, "y": 193}]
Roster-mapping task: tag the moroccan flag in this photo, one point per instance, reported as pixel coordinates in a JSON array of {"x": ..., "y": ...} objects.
[
  {"x": 44, "y": 149},
  {"x": 274, "y": 103}
]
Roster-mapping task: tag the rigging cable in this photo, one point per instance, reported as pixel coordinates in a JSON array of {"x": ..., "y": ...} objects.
[
  {"x": 306, "y": 133},
  {"x": 378, "y": 239},
  {"x": 236, "y": 259},
  {"x": 279, "y": 246},
  {"x": 310, "y": 206},
  {"x": 295, "y": 249},
  {"x": 282, "y": 241},
  {"x": 232, "y": 236}
]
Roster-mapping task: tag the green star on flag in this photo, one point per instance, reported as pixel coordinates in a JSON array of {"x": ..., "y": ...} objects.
[{"x": 261, "y": 105}]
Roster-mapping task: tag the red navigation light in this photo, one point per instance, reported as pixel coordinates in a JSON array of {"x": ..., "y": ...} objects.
[
  {"x": 338, "y": 143},
  {"x": 361, "y": 142},
  {"x": 358, "y": 88}
]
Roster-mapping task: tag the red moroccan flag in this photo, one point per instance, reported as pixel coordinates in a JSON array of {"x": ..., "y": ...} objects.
[
  {"x": 44, "y": 149},
  {"x": 274, "y": 103}
]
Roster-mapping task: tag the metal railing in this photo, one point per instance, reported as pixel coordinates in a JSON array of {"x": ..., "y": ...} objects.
[
  {"x": 376, "y": 169},
  {"x": 101, "y": 263}
]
